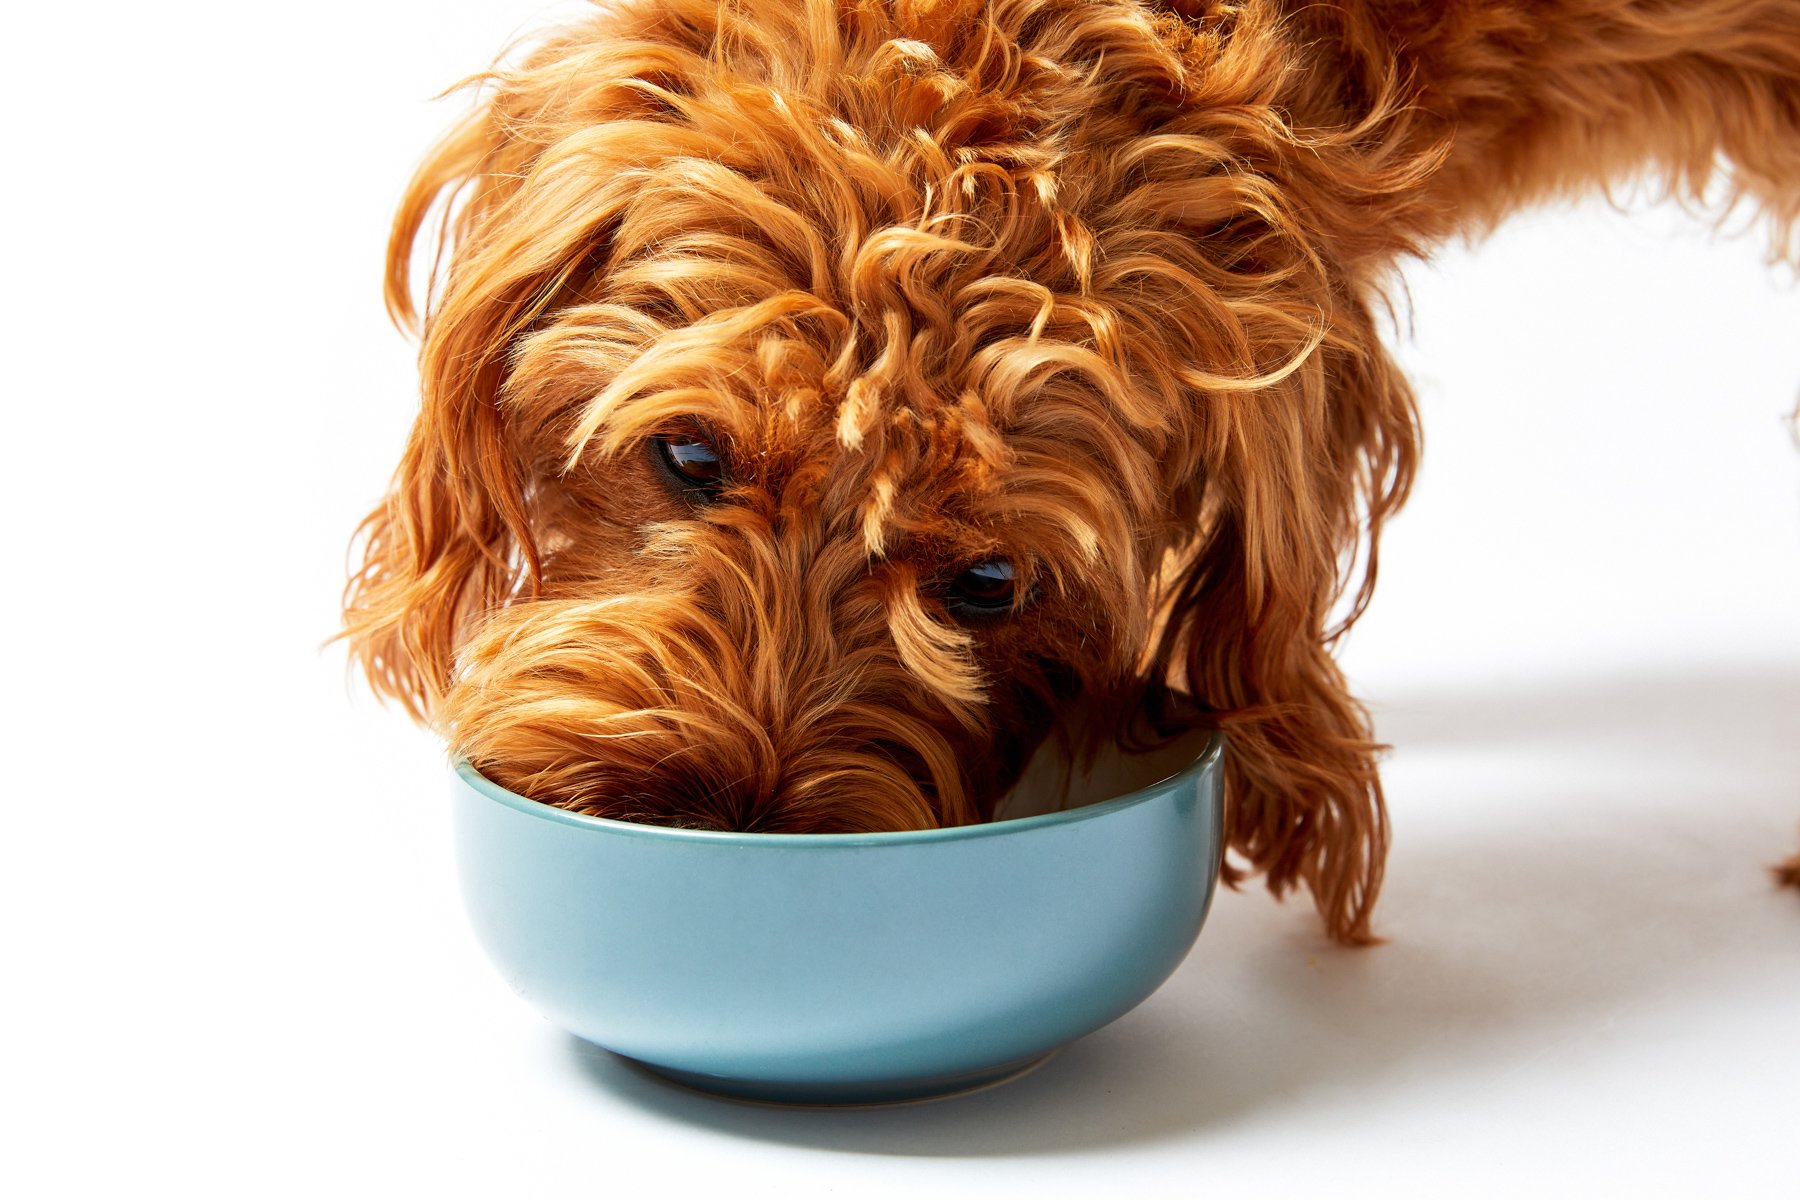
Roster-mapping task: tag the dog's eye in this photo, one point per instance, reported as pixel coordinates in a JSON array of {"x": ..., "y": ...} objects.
[
  {"x": 984, "y": 589},
  {"x": 694, "y": 463}
]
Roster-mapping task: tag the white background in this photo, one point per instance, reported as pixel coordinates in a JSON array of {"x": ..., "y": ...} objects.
[{"x": 235, "y": 958}]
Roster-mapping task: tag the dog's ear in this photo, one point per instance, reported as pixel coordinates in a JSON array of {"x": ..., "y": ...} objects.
[
  {"x": 452, "y": 538},
  {"x": 1290, "y": 509},
  {"x": 1304, "y": 434}
]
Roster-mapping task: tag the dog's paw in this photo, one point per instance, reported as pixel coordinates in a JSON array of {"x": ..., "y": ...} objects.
[{"x": 1787, "y": 874}]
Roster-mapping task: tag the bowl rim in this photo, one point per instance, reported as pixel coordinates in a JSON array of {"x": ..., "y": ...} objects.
[{"x": 1206, "y": 760}]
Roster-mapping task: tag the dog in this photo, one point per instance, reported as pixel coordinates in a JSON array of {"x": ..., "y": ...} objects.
[{"x": 821, "y": 397}]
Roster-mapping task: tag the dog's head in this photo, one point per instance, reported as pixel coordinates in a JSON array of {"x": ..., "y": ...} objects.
[{"x": 819, "y": 397}]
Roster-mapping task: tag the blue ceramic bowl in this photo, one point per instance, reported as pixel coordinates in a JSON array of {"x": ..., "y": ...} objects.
[{"x": 845, "y": 968}]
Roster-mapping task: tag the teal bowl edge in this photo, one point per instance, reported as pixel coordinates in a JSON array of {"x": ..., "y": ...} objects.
[{"x": 1205, "y": 761}]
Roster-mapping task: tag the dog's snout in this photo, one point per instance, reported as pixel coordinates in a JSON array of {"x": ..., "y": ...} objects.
[
  {"x": 875, "y": 793},
  {"x": 677, "y": 709}
]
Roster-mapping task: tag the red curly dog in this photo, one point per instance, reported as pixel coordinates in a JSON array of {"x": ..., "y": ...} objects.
[{"x": 819, "y": 397}]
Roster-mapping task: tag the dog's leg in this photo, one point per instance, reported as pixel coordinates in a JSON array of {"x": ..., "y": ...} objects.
[{"x": 1787, "y": 873}]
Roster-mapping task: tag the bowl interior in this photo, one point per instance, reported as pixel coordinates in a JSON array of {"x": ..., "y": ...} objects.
[{"x": 1053, "y": 783}]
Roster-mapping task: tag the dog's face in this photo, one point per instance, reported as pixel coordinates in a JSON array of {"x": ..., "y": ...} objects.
[
  {"x": 756, "y": 613},
  {"x": 819, "y": 398},
  {"x": 799, "y": 571}
]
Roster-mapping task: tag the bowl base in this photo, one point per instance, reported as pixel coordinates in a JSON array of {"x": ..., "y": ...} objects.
[{"x": 885, "y": 1093}]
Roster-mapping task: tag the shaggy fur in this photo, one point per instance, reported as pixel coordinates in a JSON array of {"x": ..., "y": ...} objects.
[{"x": 1086, "y": 286}]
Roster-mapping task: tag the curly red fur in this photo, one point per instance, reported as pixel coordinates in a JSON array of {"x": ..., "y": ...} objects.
[{"x": 1089, "y": 285}]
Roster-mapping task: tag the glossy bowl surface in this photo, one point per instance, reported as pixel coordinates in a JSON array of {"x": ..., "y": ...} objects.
[{"x": 844, "y": 968}]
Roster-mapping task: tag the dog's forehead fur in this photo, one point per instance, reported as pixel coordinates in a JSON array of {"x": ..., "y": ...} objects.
[{"x": 907, "y": 259}]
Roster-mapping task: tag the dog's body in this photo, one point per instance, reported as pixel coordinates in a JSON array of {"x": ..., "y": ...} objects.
[{"x": 820, "y": 397}]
